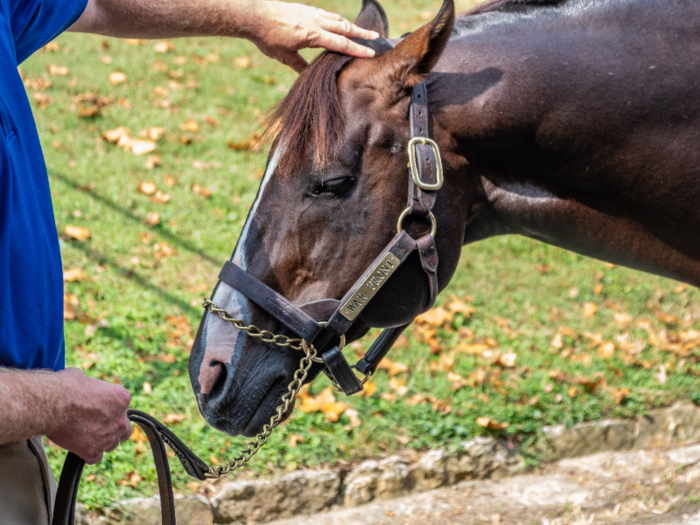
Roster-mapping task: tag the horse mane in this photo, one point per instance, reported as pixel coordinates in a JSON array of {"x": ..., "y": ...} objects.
[
  {"x": 310, "y": 114},
  {"x": 508, "y": 6}
]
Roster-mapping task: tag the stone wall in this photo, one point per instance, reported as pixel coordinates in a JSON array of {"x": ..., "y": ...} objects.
[{"x": 309, "y": 491}]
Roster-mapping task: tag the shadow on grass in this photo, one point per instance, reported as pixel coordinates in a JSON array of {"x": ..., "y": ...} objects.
[
  {"x": 136, "y": 278},
  {"x": 126, "y": 212}
]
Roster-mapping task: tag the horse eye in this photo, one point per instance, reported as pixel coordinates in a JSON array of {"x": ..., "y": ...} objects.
[{"x": 332, "y": 187}]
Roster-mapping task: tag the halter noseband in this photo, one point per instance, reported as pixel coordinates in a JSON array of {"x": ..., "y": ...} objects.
[{"x": 322, "y": 321}]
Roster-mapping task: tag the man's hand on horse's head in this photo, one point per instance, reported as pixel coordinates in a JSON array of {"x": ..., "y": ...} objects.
[
  {"x": 279, "y": 29},
  {"x": 93, "y": 418}
]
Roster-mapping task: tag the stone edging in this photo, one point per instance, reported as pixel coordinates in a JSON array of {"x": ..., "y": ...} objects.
[{"x": 310, "y": 491}]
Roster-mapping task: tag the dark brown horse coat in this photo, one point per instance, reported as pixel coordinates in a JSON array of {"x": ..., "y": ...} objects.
[{"x": 575, "y": 122}]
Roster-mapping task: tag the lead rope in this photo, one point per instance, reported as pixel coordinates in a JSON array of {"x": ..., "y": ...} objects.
[{"x": 287, "y": 399}]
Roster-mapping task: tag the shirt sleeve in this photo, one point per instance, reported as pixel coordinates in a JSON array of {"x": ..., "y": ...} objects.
[{"x": 37, "y": 22}]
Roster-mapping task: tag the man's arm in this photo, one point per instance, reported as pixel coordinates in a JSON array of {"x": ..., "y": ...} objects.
[
  {"x": 279, "y": 29},
  {"x": 81, "y": 414}
]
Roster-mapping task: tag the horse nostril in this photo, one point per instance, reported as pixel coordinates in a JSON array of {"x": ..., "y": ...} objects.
[{"x": 212, "y": 376}]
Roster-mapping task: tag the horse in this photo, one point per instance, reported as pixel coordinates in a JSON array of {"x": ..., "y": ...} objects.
[{"x": 573, "y": 122}]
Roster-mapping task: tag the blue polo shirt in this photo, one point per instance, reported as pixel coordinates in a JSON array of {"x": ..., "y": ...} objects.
[{"x": 31, "y": 278}]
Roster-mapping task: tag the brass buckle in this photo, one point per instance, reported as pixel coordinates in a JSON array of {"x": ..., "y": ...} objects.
[{"x": 413, "y": 164}]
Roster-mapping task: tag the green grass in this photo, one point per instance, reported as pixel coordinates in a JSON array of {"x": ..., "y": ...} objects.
[{"x": 521, "y": 289}]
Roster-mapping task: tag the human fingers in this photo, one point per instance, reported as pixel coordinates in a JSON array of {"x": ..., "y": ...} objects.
[
  {"x": 340, "y": 44},
  {"x": 341, "y": 26}
]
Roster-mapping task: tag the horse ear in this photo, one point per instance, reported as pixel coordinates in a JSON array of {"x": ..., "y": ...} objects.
[
  {"x": 413, "y": 58},
  {"x": 373, "y": 18}
]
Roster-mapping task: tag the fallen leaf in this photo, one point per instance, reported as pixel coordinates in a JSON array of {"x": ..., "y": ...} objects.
[
  {"x": 619, "y": 394},
  {"x": 147, "y": 388},
  {"x": 140, "y": 147},
  {"x": 77, "y": 232},
  {"x": 160, "y": 197},
  {"x": 573, "y": 293},
  {"x": 393, "y": 367},
  {"x": 164, "y": 47},
  {"x": 152, "y": 162},
  {"x": 42, "y": 99},
  {"x": 169, "y": 181},
  {"x": 172, "y": 418},
  {"x": 622, "y": 318},
  {"x": 680, "y": 288},
  {"x": 557, "y": 342},
  {"x": 589, "y": 309},
  {"x": 354, "y": 417},
  {"x": 661, "y": 375},
  {"x": 190, "y": 125},
  {"x": 117, "y": 77},
  {"x": 147, "y": 187},
  {"x": 325, "y": 403},
  {"x": 456, "y": 305},
  {"x": 153, "y": 133},
  {"x": 572, "y": 391},
  {"x": 114, "y": 135},
  {"x": 435, "y": 317},
  {"x": 294, "y": 439},
  {"x": 416, "y": 399},
  {"x": 57, "y": 71},
  {"x": 507, "y": 360},
  {"x": 388, "y": 396},
  {"x": 489, "y": 423},
  {"x": 370, "y": 389},
  {"x": 200, "y": 190},
  {"x": 152, "y": 218},
  {"x": 52, "y": 47},
  {"x": 75, "y": 274},
  {"x": 70, "y": 312},
  {"x": 132, "y": 479},
  {"x": 162, "y": 249},
  {"x": 398, "y": 385},
  {"x": 242, "y": 62},
  {"x": 606, "y": 350}
]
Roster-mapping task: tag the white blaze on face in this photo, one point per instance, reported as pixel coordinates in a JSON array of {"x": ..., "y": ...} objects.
[{"x": 220, "y": 337}]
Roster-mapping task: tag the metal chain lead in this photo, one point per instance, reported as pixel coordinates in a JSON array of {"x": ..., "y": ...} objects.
[{"x": 287, "y": 399}]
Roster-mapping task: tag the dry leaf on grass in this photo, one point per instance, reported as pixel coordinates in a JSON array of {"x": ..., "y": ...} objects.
[
  {"x": 57, "y": 71},
  {"x": 147, "y": 187},
  {"x": 75, "y": 274},
  {"x": 163, "y": 47},
  {"x": 160, "y": 197},
  {"x": 489, "y": 423},
  {"x": 242, "y": 62},
  {"x": 398, "y": 386},
  {"x": 189, "y": 125},
  {"x": 200, "y": 190},
  {"x": 619, "y": 394},
  {"x": 324, "y": 402},
  {"x": 132, "y": 479},
  {"x": 152, "y": 218},
  {"x": 435, "y": 317},
  {"x": 77, "y": 232},
  {"x": 113, "y": 135},
  {"x": 163, "y": 249},
  {"x": 173, "y": 419},
  {"x": 294, "y": 439},
  {"x": 117, "y": 77},
  {"x": 589, "y": 309},
  {"x": 393, "y": 367}
]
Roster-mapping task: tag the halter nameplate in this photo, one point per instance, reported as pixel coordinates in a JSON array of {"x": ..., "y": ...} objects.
[{"x": 370, "y": 286}]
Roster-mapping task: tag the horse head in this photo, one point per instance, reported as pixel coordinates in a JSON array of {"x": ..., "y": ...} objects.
[{"x": 335, "y": 184}]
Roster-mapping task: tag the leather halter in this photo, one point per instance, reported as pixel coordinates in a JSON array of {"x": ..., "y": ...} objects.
[{"x": 425, "y": 178}]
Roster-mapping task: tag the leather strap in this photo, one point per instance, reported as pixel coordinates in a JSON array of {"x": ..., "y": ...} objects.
[
  {"x": 429, "y": 261},
  {"x": 338, "y": 369},
  {"x": 421, "y": 201},
  {"x": 64, "y": 509},
  {"x": 269, "y": 300},
  {"x": 381, "y": 346}
]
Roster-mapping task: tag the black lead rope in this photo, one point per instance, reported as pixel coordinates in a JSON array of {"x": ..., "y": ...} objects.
[{"x": 158, "y": 436}]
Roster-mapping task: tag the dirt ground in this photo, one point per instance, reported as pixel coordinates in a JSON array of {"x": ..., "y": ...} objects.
[{"x": 639, "y": 487}]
